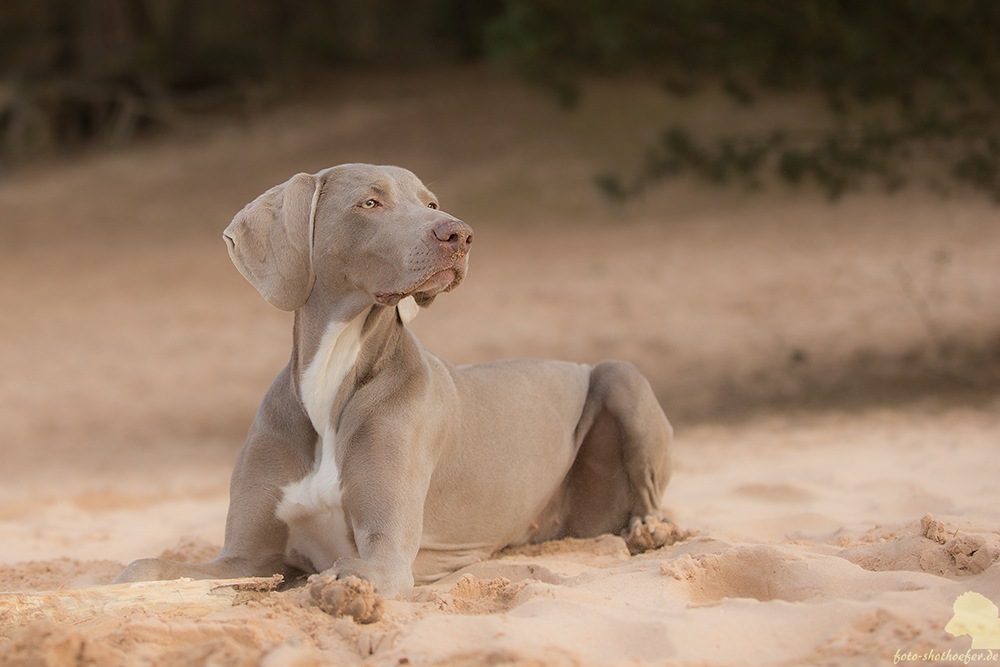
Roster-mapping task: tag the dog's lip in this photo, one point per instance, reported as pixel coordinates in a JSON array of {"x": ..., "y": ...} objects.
[{"x": 439, "y": 281}]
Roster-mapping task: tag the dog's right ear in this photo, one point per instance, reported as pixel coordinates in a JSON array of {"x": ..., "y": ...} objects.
[{"x": 270, "y": 241}]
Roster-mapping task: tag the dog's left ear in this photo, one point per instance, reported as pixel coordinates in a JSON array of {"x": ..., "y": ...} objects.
[{"x": 270, "y": 241}]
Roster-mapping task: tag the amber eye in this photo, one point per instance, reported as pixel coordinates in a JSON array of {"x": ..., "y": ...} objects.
[
  {"x": 371, "y": 203},
  {"x": 432, "y": 205}
]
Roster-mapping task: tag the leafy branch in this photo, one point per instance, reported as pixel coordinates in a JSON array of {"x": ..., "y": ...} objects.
[{"x": 967, "y": 147}]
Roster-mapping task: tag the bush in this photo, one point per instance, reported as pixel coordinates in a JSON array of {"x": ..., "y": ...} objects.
[{"x": 936, "y": 61}]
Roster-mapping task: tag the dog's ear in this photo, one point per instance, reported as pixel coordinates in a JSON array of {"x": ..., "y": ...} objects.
[{"x": 270, "y": 241}]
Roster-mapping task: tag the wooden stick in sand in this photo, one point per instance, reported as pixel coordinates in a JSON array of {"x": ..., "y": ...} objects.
[{"x": 188, "y": 596}]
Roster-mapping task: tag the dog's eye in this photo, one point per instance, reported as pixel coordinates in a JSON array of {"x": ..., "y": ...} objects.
[
  {"x": 370, "y": 203},
  {"x": 432, "y": 205}
]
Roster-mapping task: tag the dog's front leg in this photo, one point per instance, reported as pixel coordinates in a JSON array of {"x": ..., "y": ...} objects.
[
  {"x": 279, "y": 450},
  {"x": 385, "y": 474}
]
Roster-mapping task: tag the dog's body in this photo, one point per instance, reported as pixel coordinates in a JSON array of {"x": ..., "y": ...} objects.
[{"x": 370, "y": 456}]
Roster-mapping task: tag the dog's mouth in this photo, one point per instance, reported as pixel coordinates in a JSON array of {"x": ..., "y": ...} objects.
[
  {"x": 425, "y": 290},
  {"x": 442, "y": 281}
]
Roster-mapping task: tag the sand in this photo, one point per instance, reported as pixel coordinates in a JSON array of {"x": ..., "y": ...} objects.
[{"x": 831, "y": 370}]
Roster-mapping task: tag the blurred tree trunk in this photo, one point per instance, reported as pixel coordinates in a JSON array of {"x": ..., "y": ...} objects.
[
  {"x": 114, "y": 32},
  {"x": 180, "y": 49}
]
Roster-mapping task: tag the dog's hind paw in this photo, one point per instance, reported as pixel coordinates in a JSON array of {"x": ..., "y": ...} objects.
[
  {"x": 350, "y": 596},
  {"x": 652, "y": 533}
]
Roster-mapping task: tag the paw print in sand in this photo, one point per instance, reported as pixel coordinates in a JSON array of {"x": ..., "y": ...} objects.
[{"x": 350, "y": 596}]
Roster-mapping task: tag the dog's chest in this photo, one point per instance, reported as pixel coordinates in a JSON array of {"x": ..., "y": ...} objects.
[{"x": 311, "y": 507}]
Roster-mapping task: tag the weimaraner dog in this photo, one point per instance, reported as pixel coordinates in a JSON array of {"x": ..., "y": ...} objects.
[{"x": 370, "y": 456}]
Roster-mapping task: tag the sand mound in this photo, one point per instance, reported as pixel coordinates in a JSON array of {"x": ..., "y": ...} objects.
[{"x": 928, "y": 546}]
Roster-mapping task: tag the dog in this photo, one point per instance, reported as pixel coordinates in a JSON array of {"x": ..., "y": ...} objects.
[{"x": 371, "y": 457}]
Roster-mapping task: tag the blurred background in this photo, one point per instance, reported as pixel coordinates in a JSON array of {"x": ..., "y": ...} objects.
[
  {"x": 778, "y": 204},
  {"x": 901, "y": 80}
]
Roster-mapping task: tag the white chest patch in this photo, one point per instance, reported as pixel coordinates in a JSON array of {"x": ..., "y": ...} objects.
[
  {"x": 338, "y": 350},
  {"x": 311, "y": 507}
]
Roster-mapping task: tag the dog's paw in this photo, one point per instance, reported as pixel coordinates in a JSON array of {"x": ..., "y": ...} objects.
[
  {"x": 347, "y": 596},
  {"x": 652, "y": 533}
]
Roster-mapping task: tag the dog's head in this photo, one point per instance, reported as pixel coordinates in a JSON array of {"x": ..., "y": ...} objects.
[{"x": 355, "y": 227}]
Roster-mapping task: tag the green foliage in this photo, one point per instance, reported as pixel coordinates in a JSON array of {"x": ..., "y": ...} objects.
[
  {"x": 855, "y": 48},
  {"x": 179, "y": 41},
  {"x": 81, "y": 70},
  {"x": 936, "y": 61},
  {"x": 837, "y": 160}
]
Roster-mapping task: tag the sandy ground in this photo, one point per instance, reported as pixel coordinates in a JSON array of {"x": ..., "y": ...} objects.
[{"x": 832, "y": 371}]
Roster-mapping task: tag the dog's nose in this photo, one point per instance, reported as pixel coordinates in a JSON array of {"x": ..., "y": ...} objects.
[{"x": 454, "y": 235}]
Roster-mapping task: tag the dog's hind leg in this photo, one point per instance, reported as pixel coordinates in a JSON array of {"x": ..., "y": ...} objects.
[{"x": 622, "y": 467}]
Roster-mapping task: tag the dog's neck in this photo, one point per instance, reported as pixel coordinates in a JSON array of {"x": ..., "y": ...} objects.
[{"x": 332, "y": 355}]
